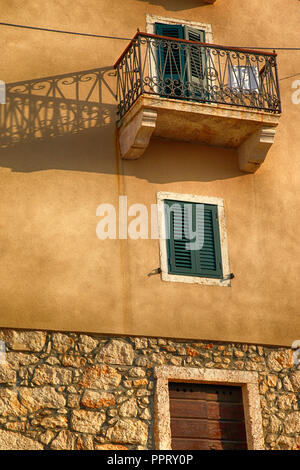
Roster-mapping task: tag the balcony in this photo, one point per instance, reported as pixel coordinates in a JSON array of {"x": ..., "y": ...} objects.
[{"x": 191, "y": 91}]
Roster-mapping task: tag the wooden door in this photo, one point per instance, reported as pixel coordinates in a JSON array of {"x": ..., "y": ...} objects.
[{"x": 206, "y": 417}]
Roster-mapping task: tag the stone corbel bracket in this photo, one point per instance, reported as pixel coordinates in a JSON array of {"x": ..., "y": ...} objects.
[
  {"x": 135, "y": 133},
  {"x": 254, "y": 150}
]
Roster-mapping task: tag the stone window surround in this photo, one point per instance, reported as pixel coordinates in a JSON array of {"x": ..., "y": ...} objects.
[
  {"x": 250, "y": 392},
  {"x": 152, "y": 19},
  {"x": 161, "y": 196}
]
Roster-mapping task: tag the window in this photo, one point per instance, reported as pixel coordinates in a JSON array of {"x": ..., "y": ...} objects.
[
  {"x": 181, "y": 68},
  {"x": 152, "y": 20},
  {"x": 193, "y": 242}
]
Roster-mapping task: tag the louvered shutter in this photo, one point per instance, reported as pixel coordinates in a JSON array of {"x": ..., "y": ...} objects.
[
  {"x": 208, "y": 259},
  {"x": 171, "y": 60},
  {"x": 204, "y": 262},
  {"x": 196, "y": 59},
  {"x": 180, "y": 259}
]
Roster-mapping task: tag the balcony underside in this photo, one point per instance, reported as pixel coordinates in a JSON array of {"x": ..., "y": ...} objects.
[{"x": 251, "y": 132}]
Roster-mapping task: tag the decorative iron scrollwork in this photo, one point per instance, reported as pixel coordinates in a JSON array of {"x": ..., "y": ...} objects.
[{"x": 187, "y": 70}]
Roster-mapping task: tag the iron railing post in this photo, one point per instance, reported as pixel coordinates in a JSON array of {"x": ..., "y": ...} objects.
[
  {"x": 140, "y": 63},
  {"x": 277, "y": 84}
]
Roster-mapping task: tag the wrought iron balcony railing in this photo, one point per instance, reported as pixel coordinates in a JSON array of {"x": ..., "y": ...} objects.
[{"x": 206, "y": 73}]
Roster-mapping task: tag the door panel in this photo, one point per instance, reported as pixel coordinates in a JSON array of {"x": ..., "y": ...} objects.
[{"x": 205, "y": 416}]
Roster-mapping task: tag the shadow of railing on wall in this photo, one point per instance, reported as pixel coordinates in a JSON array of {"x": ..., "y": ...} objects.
[{"x": 48, "y": 107}]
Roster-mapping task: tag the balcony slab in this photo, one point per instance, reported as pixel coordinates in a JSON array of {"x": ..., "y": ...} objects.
[{"x": 250, "y": 131}]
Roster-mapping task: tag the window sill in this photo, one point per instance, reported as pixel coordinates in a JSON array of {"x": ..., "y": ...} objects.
[{"x": 207, "y": 281}]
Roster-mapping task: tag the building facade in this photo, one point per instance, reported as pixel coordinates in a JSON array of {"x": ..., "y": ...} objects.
[{"x": 149, "y": 209}]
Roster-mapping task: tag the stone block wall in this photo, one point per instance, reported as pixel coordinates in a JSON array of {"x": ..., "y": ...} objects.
[{"x": 81, "y": 391}]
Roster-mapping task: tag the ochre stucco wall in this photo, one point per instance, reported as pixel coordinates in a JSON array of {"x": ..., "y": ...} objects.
[{"x": 56, "y": 274}]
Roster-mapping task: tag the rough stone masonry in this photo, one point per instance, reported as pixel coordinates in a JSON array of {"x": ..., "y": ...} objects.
[{"x": 80, "y": 391}]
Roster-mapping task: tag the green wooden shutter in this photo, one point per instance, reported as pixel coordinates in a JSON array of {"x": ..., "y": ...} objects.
[
  {"x": 180, "y": 259},
  {"x": 197, "y": 62},
  {"x": 171, "y": 61},
  {"x": 209, "y": 259},
  {"x": 206, "y": 262},
  {"x": 169, "y": 30}
]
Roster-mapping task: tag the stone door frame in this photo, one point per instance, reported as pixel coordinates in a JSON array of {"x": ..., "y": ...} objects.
[{"x": 248, "y": 381}]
